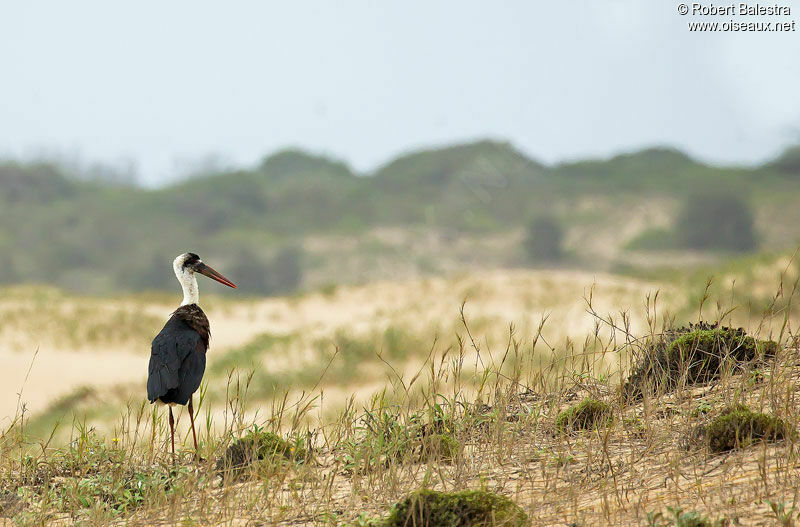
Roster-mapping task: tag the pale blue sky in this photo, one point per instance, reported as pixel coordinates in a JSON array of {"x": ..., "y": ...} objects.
[{"x": 165, "y": 84}]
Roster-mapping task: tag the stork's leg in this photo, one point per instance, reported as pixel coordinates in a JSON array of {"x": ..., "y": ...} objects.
[
  {"x": 172, "y": 432},
  {"x": 191, "y": 419}
]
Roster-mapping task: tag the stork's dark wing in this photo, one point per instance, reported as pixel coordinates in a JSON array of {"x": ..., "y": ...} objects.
[{"x": 177, "y": 362}]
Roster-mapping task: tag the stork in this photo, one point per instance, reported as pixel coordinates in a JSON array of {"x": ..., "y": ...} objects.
[{"x": 178, "y": 353}]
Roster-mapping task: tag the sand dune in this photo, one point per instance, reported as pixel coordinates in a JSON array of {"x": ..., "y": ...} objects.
[{"x": 496, "y": 298}]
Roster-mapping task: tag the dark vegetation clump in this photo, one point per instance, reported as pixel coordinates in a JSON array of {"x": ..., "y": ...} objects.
[
  {"x": 739, "y": 427},
  {"x": 439, "y": 446},
  {"x": 589, "y": 413},
  {"x": 281, "y": 274},
  {"x": 258, "y": 446},
  {"x": 717, "y": 221},
  {"x": 544, "y": 239},
  {"x": 471, "y": 508},
  {"x": 694, "y": 354}
]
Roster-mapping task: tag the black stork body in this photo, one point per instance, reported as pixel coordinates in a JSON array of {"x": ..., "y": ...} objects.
[{"x": 178, "y": 353}]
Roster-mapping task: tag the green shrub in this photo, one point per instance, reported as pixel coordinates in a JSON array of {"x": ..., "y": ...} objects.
[
  {"x": 258, "y": 446},
  {"x": 439, "y": 447},
  {"x": 387, "y": 436},
  {"x": 286, "y": 270},
  {"x": 715, "y": 220},
  {"x": 695, "y": 354},
  {"x": 257, "y": 275},
  {"x": 544, "y": 238},
  {"x": 656, "y": 239},
  {"x": 589, "y": 413},
  {"x": 739, "y": 427},
  {"x": 471, "y": 508}
]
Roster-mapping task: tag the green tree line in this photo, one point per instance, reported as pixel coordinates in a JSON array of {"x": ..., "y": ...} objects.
[{"x": 86, "y": 234}]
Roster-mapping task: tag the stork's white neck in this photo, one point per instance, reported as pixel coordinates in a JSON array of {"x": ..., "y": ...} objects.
[{"x": 191, "y": 294}]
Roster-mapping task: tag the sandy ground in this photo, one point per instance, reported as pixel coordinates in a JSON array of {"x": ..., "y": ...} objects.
[
  {"x": 496, "y": 298},
  {"x": 54, "y": 373}
]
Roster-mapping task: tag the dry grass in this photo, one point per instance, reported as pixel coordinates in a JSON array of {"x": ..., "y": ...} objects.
[
  {"x": 641, "y": 467},
  {"x": 465, "y": 412}
]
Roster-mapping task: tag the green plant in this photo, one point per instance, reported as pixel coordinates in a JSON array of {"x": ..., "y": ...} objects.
[
  {"x": 259, "y": 447},
  {"x": 259, "y": 276},
  {"x": 656, "y": 239},
  {"x": 544, "y": 239},
  {"x": 716, "y": 220},
  {"x": 90, "y": 477},
  {"x": 385, "y": 436},
  {"x": 589, "y": 413},
  {"x": 740, "y": 427},
  {"x": 562, "y": 460},
  {"x": 682, "y": 519},
  {"x": 693, "y": 354},
  {"x": 702, "y": 408},
  {"x": 441, "y": 447},
  {"x": 782, "y": 513},
  {"x": 456, "y": 509}
]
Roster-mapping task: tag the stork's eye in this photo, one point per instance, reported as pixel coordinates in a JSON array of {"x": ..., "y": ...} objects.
[{"x": 191, "y": 260}]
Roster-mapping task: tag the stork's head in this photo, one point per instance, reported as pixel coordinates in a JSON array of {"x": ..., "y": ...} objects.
[{"x": 187, "y": 264}]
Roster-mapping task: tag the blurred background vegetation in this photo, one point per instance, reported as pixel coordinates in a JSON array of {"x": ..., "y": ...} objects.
[{"x": 299, "y": 221}]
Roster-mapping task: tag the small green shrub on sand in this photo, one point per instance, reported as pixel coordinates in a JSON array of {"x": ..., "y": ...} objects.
[
  {"x": 258, "y": 446},
  {"x": 471, "y": 508},
  {"x": 589, "y": 413},
  {"x": 387, "y": 436},
  {"x": 739, "y": 427},
  {"x": 441, "y": 447},
  {"x": 697, "y": 354}
]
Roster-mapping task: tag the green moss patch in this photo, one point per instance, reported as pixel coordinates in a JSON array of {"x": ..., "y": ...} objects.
[
  {"x": 258, "y": 446},
  {"x": 694, "y": 354},
  {"x": 739, "y": 427},
  {"x": 589, "y": 413},
  {"x": 471, "y": 508}
]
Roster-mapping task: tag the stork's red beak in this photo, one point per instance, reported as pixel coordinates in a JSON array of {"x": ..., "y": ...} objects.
[{"x": 211, "y": 273}]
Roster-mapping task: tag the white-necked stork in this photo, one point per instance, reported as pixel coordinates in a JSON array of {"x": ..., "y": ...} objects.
[{"x": 178, "y": 353}]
